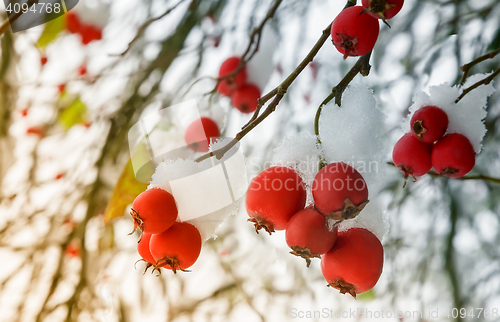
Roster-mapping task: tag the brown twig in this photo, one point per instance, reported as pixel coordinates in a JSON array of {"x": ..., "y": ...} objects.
[
  {"x": 143, "y": 28},
  {"x": 484, "y": 81},
  {"x": 10, "y": 20},
  {"x": 277, "y": 93},
  {"x": 467, "y": 67}
]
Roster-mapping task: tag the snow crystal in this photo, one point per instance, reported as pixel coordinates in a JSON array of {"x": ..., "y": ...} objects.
[{"x": 465, "y": 117}]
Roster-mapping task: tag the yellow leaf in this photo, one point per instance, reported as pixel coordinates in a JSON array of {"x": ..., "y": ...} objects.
[
  {"x": 124, "y": 193},
  {"x": 73, "y": 114},
  {"x": 51, "y": 31}
]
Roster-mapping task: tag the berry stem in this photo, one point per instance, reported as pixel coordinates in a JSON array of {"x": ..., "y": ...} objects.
[
  {"x": 484, "y": 81},
  {"x": 467, "y": 67}
]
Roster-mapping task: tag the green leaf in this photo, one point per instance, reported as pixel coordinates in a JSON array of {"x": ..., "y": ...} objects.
[
  {"x": 73, "y": 114},
  {"x": 126, "y": 189},
  {"x": 51, "y": 31}
]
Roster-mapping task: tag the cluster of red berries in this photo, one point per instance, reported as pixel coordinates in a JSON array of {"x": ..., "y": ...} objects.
[
  {"x": 355, "y": 30},
  {"x": 243, "y": 95},
  {"x": 199, "y": 133},
  {"x": 164, "y": 242},
  {"x": 87, "y": 32},
  {"x": 426, "y": 146},
  {"x": 351, "y": 260}
]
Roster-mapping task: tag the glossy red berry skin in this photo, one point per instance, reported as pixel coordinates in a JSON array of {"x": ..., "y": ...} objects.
[
  {"x": 154, "y": 211},
  {"x": 228, "y": 86},
  {"x": 245, "y": 98},
  {"x": 453, "y": 156},
  {"x": 308, "y": 235},
  {"x": 354, "y": 264},
  {"x": 383, "y": 9},
  {"x": 143, "y": 249},
  {"x": 339, "y": 191},
  {"x": 429, "y": 123},
  {"x": 411, "y": 156},
  {"x": 72, "y": 22},
  {"x": 354, "y": 33},
  {"x": 273, "y": 197},
  {"x": 177, "y": 248},
  {"x": 198, "y": 134}
]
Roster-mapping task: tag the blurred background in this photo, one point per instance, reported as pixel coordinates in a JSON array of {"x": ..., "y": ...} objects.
[{"x": 67, "y": 101}]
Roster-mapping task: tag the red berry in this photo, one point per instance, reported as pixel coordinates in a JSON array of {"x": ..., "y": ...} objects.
[
  {"x": 154, "y": 211},
  {"x": 339, "y": 191},
  {"x": 354, "y": 33},
  {"x": 383, "y": 9},
  {"x": 72, "y": 250},
  {"x": 82, "y": 70},
  {"x": 24, "y": 112},
  {"x": 245, "y": 98},
  {"x": 429, "y": 123},
  {"x": 273, "y": 197},
  {"x": 354, "y": 264},
  {"x": 36, "y": 130},
  {"x": 177, "y": 248},
  {"x": 61, "y": 88},
  {"x": 198, "y": 134},
  {"x": 411, "y": 156},
  {"x": 59, "y": 176},
  {"x": 43, "y": 60},
  {"x": 72, "y": 22},
  {"x": 453, "y": 156},
  {"x": 90, "y": 33},
  {"x": 144, "y": 252},
  {"x": 308, "y": 234},
  {"x": 227, "y": 86}
]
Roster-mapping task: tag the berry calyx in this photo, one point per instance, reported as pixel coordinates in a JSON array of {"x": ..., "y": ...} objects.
[
  {"x": 273, "y": 197},
  {"x": 354, "y": 33},
  {"x": 177, "y": 248},
  {"x": 245, "y": 98},
  {"x": 354, "y": 264},
  {"x": 154, "y": 211},
  {"x": 227, "y": 86},
  {"x": 198, "y": 134},
  {"x": 411, "y": 156},
  {"x": 453, "y": 156},
  {"x": 144, "y": 252},
  {"x": 382, "y": 9},
  {"x": 339, "y": 191},
  {"x": 308, "y": 234},
  {"x": 429, "y": 123}
]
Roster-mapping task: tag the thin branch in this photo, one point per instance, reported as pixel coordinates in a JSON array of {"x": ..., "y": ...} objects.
[
  {"x": 484, "y": 81},
  {"x": 143, "y": 28},
  {"x": 467, "y": 67},
  {"x": 10, "y": 20},
  {"x": 276, "y": 93}
]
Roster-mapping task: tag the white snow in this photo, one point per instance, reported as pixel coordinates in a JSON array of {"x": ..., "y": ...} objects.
[
  {"x": 465, "y": 117},
  {"x": 353, "y": 133}
]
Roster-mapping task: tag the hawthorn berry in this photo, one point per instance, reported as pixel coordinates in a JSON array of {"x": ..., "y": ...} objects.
[
  {"x": 72, "y": 22},
  {"x": 354, "y": 264},
  {"x": 154, "y": 211},
  {"x": 353, "y": 32},
  {"x": 411, "y": 156},
  {"x": 89, "y": 33},
  {"x": 339, "y": 191},
  {"x": 144, "y": 252},
  {"x": 198, "y": 134},
  {"x": 453, "y": 156},
  {"x": 61, "y": 88},
  {"x": 382, "y": 9},
  {"x": 177, "y": 248},
  {"x": 43, "y": 60},
  {"x": 229, "y": 85},
  {"x": 82, "y": 70},
  {"x": 245, "y": 98},
  {"x": 36, "y": 130},
  {"x": 308, "y": 234},
  {"x": 429, "y": 123},
  {"x": 273, "y": 197}
]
